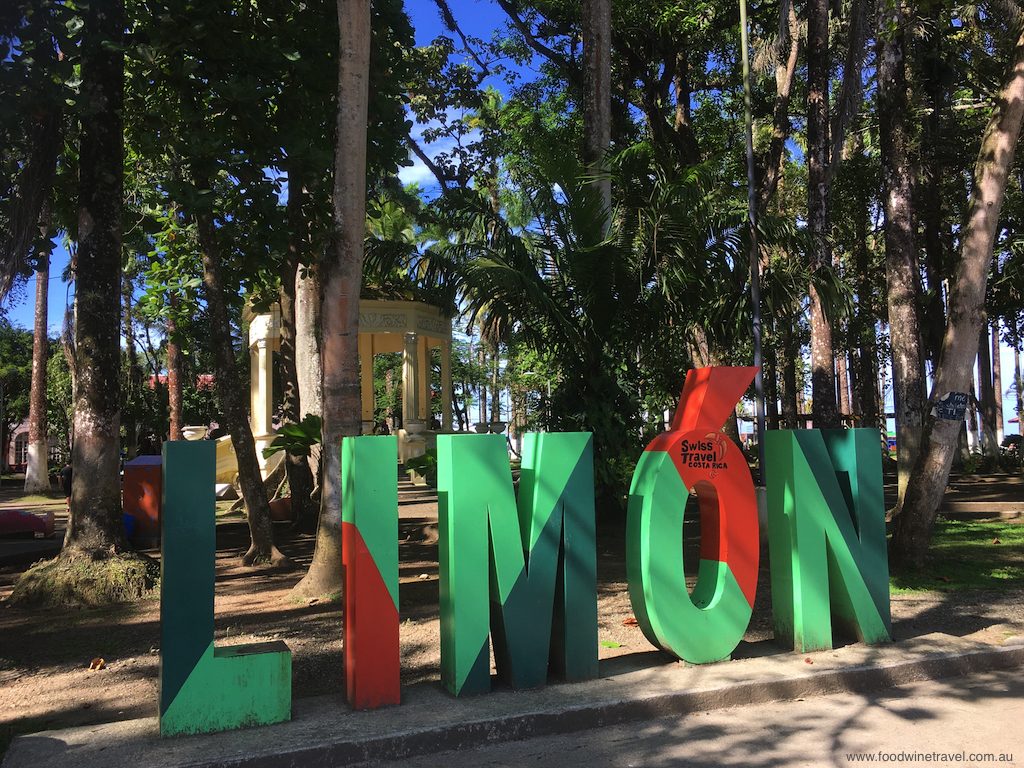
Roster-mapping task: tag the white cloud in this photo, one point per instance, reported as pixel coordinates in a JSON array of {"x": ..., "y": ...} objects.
[{"x": 417, "y": 173}]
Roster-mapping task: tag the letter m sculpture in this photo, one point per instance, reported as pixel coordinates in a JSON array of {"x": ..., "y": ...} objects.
[{"x": 523, "y": 572}]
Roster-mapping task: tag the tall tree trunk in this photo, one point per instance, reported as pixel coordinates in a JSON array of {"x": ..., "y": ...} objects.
[
  {"x": 789, "y": 33},
  {"x": 867, "y": 337},
  {"x": 913, "y": 528},
  {"x": 307, "y": 358},
  {"x": 495, "y": 392},
  {"x": 989, "y": 445},
  {"x": 823, "y": 380},
  {"x": 342, "y": 283},
  {"x": 229, "y": 392},
  {"x": 843, "y": 381},
  {"x": 930, "y": 190},
  {"x": 790, "y": 352},
  {"x": 482, "y": 361},
  {"x": 37, "y": 475},
  {"x": 997, "y": 383},
  {"x": 771, "y": 387},
  {"x": 461, "y": 411},
  {"x": 1018, "y": 386},
  {"x": 300, "y": 477},
  {"x": 867, "y": 387},
  {"x": 685, "y": 137},
  {"x": 134, "y": 378},
  {"x": 95, "y": 526},
  {"x": 858, "y": 31},
  {"x": 902, "y": 275},
  {"x": 597, "y": 86},
  {"x": 973, "y": 444},
  {"x": 883, "y": 376},
  {"x": 175, "y": 376}
]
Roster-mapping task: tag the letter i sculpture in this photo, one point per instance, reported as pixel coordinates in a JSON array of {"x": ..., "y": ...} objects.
[{"x": 369, "y": 536}]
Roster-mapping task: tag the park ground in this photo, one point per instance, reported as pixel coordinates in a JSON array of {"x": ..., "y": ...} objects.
[
  {"x": 973, "y": 587},
  {"x": 977, "y": 716}
]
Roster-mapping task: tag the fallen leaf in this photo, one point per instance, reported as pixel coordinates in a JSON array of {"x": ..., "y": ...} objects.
[
  {"x": 631, "y": 622},
  {"x": 996, "y": 541},
  {"x": 808, "y": 661},
  {"x": 424, "y": 576},
  {"x": 610, "y": 644},
  {"x": 97, "y": 663}
]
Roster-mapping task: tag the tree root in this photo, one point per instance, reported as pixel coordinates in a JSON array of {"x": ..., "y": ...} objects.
[
  {"x": 329, "y": 590},
  {"x": 87, "y": 579},
  {"x": 274, "y": 559}
]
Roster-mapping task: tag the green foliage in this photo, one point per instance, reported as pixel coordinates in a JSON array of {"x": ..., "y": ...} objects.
[
  {"x": 611, "y": 318},
  {"x": 39, "y": 87},
  {"x": 297, "y": 439},
  {"x": 424, "y": 465},
  {"x": 60, "y": 411},
  {"x": 982, "y": 464},
  {"x": 387, "y": 386},
  {"x": 15, "y": 376}
]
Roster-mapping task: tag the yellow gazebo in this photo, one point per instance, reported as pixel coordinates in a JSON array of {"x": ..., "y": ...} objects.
[{"x": 410, "y": 327}]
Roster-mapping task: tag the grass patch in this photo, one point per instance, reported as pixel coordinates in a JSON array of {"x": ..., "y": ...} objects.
[
  {"x": 968, "y": 555},
  {"x": 84, "y": 581},
  {"x": 36, "y": 498}
]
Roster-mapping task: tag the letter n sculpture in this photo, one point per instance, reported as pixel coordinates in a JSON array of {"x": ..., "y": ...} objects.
[
  {"x": 826, "y": 536},
  {"x": 204, "y": 688}
]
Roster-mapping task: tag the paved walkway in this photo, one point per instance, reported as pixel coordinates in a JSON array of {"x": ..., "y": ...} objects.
[
  {"x": 626, "y": 702},
  {"x": 980, "y": 715}
]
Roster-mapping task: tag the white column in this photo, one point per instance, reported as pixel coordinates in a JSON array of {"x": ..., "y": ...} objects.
[
  {"x": 366, "y": 381},
  {"x": 446, "y": 386},
  {"x": 423, "y": 382},
  {"x": 262, "y": 393},
  {"x": 262, "y": 388},
  {"x": 410, "y": 380}
]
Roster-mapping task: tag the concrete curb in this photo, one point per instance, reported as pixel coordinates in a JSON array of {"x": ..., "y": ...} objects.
[{"x": 324, "y": 732}]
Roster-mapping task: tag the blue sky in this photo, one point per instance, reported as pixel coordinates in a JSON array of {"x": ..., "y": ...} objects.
[
  {"x": 20, "y": 305},
  {"x": 477, "y": 18}
]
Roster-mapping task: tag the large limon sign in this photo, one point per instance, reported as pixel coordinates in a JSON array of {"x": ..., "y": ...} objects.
[{"x": 518, "y": 570}]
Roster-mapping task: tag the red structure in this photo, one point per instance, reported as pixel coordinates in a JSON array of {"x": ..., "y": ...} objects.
[
  {"x": 17, "y": 522},
  {"x": 140, "y": 499}
]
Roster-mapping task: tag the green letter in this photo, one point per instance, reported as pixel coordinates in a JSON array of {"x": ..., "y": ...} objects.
[
  {"x": 526, "y": 572},
  {"x": 203, "y": 688},
  {"x": 826, "y": 536},
  {"x": 369, "y": 555}
]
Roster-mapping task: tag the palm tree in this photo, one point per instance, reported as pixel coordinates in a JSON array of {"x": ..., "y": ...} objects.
[{"x": 666, "y": 278}]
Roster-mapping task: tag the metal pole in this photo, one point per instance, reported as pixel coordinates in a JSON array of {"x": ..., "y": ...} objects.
[{"x": 755, "y": 276}]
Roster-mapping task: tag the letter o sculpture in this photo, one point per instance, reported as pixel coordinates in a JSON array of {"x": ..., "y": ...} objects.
[{"x": 707, "y": 625}]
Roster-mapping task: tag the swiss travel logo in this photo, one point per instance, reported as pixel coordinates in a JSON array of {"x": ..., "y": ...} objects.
[{"x": 707, "y": 452}]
